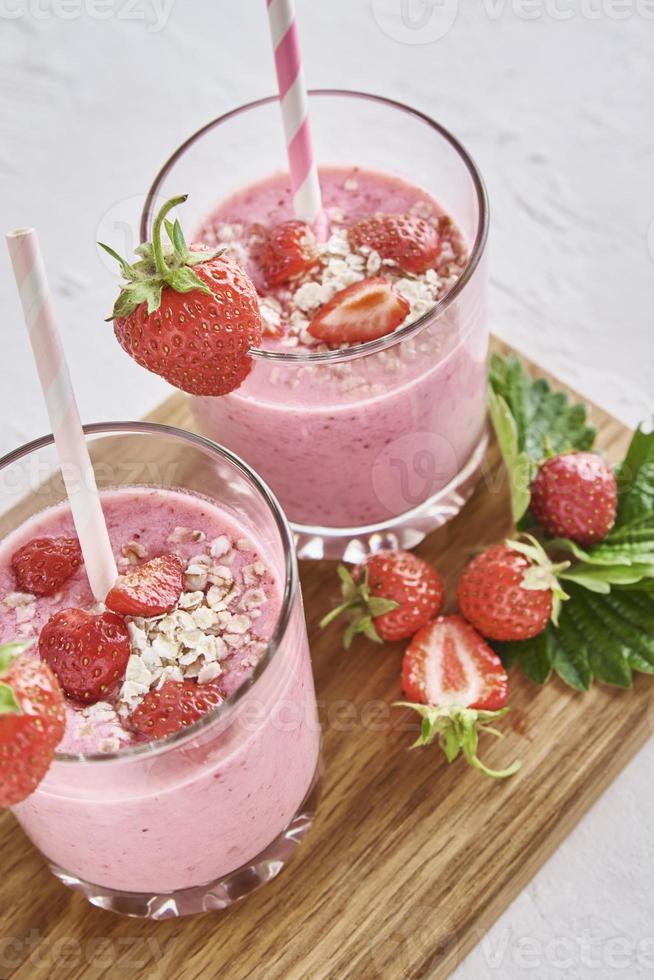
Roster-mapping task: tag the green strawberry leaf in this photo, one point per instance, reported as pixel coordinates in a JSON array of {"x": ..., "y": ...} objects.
[
  {"x": 359, "y": 607},
  {"x": 159, "y": 266},
  {"x": 456, "y": 728},
  {"x": 600, "y": 636},
  {"x": 635, "y": 477},
  {"x": 9, "y": 703},
  {"x": 532, "y": 422}
]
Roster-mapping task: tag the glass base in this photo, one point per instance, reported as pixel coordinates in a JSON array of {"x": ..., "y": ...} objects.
[
  {"x": 215, "y": 895},
  {"x": 353, "y": 544}
]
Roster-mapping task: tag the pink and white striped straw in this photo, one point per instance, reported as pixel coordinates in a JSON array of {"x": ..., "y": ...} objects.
[
  {"x": 307, "y": 202},
  {"x": 54, "y": 376}
]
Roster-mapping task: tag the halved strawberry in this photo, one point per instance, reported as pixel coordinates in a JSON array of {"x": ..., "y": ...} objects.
[
  {"x": 43, "y": 565},
  {"x": 32, "y": 722},
  {"x": 409, "y": 241},
  {"x": 448, "y": 662},
  {"x": 288, "y": 250},
  {"x": 176, "y": 705},
  {"x": 87, "y": 653},
  {"x": 457, "y": 685},
  {"x": 151, "y": 589},
  {"x": 363, "y": 311}
]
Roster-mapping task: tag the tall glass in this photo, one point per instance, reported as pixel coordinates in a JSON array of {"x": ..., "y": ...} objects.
[
  {"x": 377, "y": 444},
  {"x": 199, "y": 819}
]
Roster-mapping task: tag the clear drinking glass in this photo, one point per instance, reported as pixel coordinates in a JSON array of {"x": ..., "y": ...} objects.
[
  {"x": 199, "y": 819},
  {"x": 375, "y": 445}
]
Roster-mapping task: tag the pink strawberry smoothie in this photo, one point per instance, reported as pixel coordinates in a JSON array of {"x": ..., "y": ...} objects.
[
  {"x": 347, "y": 440},
  {"x": 156, "y": 817}
]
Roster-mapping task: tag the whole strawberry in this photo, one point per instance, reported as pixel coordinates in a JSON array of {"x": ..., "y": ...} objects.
[
  {"x": 191, "y": 317},
  {"x": 288, "y": 250},
  {"x": 411, "y": 242},
  {"x": 575, "y": 495},
  {"x": 511, "y": 591},
  {"x": 173, "y": 707},
  {"x": 43, "y": 565},
  {"x": 151, "y": 589},
  {"x": 32, "y": 722},
  {"x": 390, "y": 596},
  {"x": 87, "y": 653}
]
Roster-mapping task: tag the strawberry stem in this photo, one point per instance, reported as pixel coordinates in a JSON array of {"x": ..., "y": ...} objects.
[{"x": 157, "y": 249}]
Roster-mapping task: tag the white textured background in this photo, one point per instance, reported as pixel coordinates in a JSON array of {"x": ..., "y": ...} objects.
[{"x": 555, "y": 101}]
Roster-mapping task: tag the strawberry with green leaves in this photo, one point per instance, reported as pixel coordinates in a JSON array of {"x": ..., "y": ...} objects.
[
  {"x": 191, "y": 317},
  {"x": 458, "y": 685},
  {"x": 32, "y": 722},
  {"x": 389, "y": 597},
  {"x": 511, "y": 591}
]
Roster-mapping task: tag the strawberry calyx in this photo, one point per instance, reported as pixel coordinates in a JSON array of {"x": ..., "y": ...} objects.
[
  {"x": 457, "y": 730},
  {"x": 9, "y": 703},
  {"x": 542, "y": 573},
  {"x": 360, "y": 607},
  {"x": 159, "y": 265}
]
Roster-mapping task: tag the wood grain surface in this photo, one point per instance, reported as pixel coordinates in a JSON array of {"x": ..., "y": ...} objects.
[{"x": 409, "y": 861}]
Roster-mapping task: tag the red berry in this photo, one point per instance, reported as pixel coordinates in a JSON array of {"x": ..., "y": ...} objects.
[
  {"x": 151, "y": 589},
  {"x": 198, "y": 342},
  {"x": 363, "y": 311},
  {"x": 575, "y": 496},
  {"x": 174, "y": 706},
  {"x": 412, "y": 583},
  {"x": 389, "y": 597},
  {"x": 43, "y": 565},
  {"x": 494, "y": 597},
  {"x": 288, "y": 250},
  {"x": 87, "y": 653},
  {"x": 448, "y": 662},
  {"x": 409, "y": 241},
  {"x": 29, "y": 737}
]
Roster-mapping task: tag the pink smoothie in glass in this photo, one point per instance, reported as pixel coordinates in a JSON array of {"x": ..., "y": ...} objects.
[
  {"x": 349, "y": 443},
  {"x": 140, "y": 819}
]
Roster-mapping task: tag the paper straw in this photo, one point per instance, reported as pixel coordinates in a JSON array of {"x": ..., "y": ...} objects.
[
  {"x": 54, "y": 376},
  {"x": 307, "y": 203}
]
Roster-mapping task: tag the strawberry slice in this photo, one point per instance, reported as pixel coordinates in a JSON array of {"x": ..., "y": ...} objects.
[
  {"x": 174, "y": 706},
  {"x": 457, "y": 685},
  {"x": 405, "y": 239},
  {"x": 43, "y": 565},
  {"x": 363, "y": 311},
  {"x": 88, "y": 654},
  {"x": 152, "y": 589},
  {"x": 448, "y": 662},
  {"x": 288, "y": 250},
  {"x": 32, "y": 722}
]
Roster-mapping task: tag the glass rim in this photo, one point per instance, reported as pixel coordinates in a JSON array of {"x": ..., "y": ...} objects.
[
  {"x": 291, "y": 579},
  {"x": 382, "y": 343}
]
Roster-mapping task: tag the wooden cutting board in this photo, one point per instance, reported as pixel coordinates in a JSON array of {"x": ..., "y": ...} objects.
[{"x": 410, "y": 860}]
